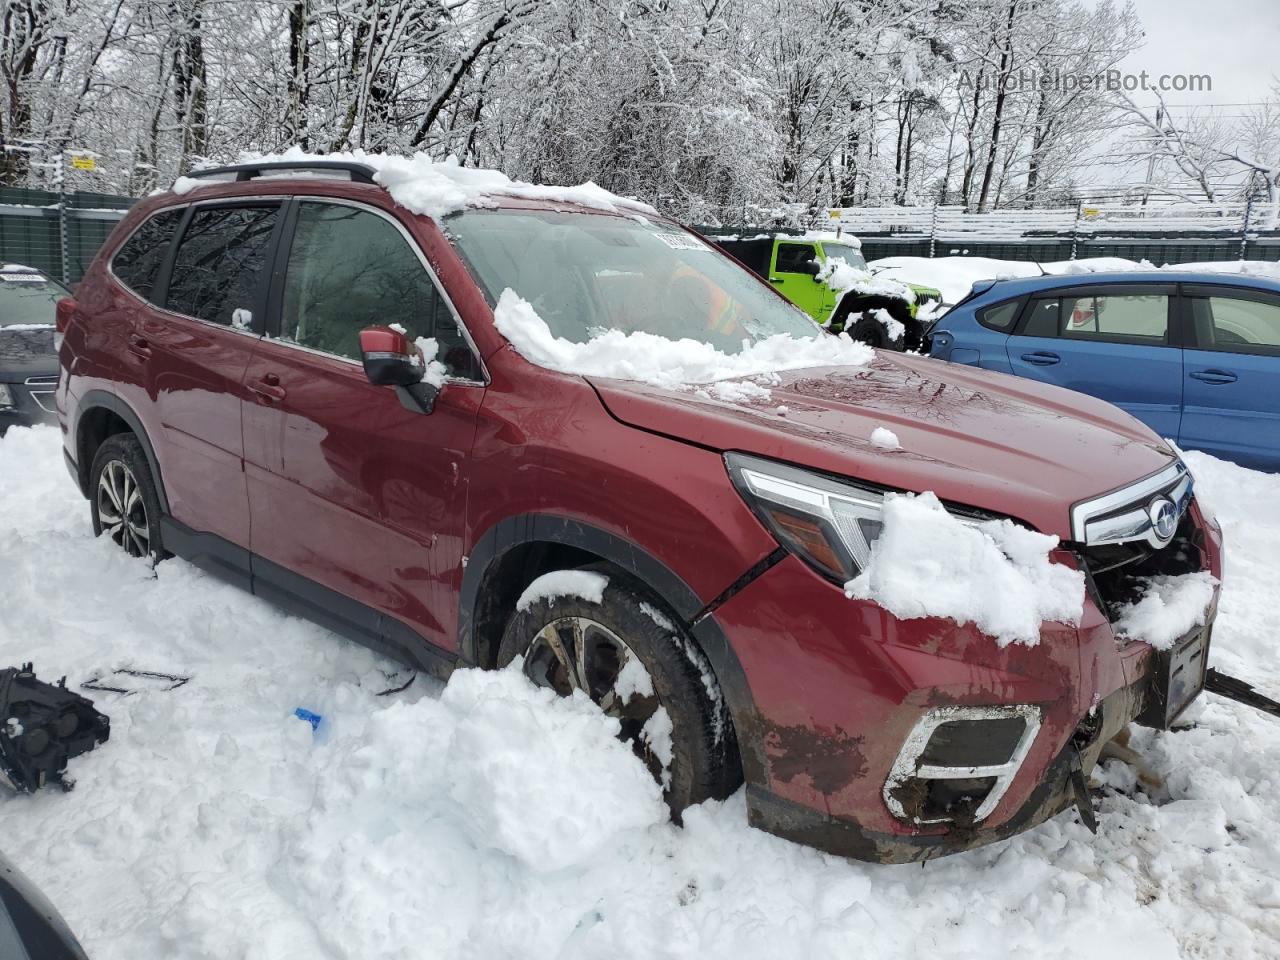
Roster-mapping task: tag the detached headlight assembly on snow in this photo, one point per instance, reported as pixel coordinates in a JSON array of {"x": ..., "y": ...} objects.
[{"x": 827, "y": 523}]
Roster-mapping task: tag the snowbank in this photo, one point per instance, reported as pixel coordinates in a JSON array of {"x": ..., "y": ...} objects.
[
  {"x": 995, "y": 575},
  {"x": 668, "y": 363},
  {"x": 215, "y": 825},
  {"x": 437, "y": 188}
]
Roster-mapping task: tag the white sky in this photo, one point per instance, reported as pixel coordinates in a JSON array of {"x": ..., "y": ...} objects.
[{"x": 1237, "y": 42}]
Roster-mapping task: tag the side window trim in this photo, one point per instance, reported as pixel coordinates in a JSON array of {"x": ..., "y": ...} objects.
[
  {"x": 281, "y": 258},
  {"x": 160, "y": 291}
]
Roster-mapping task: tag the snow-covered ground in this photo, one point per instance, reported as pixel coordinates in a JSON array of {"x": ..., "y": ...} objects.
[{"x": 484, "y": 820}]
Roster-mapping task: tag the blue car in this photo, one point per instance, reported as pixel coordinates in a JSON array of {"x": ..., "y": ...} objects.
[{"x": 1195, "y": 356}]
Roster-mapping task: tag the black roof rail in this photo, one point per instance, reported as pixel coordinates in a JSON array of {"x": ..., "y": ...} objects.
[{"x": 359, "y": 172}]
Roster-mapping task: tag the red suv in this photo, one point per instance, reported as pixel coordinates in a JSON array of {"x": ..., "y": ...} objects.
[{"x": 240, "y": 388}]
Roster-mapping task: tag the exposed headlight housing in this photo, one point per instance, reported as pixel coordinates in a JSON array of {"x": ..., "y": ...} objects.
[
  {"x": 6, "y": 396},
  {"x": 829, "y": 524}
]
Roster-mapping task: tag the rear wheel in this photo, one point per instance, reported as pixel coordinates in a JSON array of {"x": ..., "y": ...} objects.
[
  {"x": 123, "y": 497},
  {"x": 627, "y": 653}
]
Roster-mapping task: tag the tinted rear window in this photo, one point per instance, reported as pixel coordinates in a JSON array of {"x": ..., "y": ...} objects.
[
  {"x": 138, "y": 262},
  {"x": 1001, "y": 316},
  {"x": 220, "y": 262}
]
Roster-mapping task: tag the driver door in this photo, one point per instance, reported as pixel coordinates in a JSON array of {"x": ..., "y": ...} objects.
[
  {"x": 792, "y": 273},
  {"x": 354, "y": 497}
]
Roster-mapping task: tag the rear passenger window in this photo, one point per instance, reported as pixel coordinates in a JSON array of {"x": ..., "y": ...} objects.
[
  {"x": 138, "y": 262},
  {"x": 219, "y": 267},
  {"x": 350, "y": 269},
  {"x": 1122, "y": 318},
  {"x": 1001, "y": 316},
  {"x": 1237, "y": 325}
]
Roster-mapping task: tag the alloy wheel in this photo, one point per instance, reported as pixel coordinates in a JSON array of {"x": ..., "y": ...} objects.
[
  {"x": 578, "y": 653},
  {"x": 122, "y": 510}
]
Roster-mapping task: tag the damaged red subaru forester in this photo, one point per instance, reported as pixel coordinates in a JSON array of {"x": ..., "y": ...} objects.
[{"x": 300, "y": 374}]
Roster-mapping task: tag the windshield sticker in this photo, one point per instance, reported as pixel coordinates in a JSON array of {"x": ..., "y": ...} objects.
[
  {"x": 682, "y": 241},
  {"x": 22, "y": 278}
]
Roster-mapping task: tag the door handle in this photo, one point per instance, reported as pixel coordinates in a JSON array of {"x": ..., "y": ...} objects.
[
  {"x": 139, "y": 345},
  {"x": 268, "y": 389},
  {"x": 777, "y": 280},
  {"x": 1214, "y": 376},
  {"x": 1041, "y": 358}
]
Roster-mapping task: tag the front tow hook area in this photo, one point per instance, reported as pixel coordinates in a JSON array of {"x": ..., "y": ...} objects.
[{"x": 1080, "y": 790}]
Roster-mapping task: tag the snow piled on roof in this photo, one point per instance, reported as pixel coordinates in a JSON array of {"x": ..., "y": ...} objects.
[
  {"x": 668, "y": 363},
  {"x": 995, "y": 575},
  {"x": 437, "y": 188}
]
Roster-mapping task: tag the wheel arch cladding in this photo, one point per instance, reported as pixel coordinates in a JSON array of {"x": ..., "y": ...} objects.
[
  {"x": 100, "y": 415},
  {"x": 486, "y": 600}
]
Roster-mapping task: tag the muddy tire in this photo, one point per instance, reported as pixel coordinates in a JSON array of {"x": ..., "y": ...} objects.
[
  {"x": 122, "y": 498},
  {"x": 573, "y": 642}
]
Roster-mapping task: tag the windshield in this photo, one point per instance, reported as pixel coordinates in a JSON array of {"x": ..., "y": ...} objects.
[
  {"x": 585, "y": 274},
  {"x": 27, "y": 299},
  {"x": 842, "y": 251}
]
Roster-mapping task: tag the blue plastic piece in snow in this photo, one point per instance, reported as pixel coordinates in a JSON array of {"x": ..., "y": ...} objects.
[{"x": 311, "y": 718}]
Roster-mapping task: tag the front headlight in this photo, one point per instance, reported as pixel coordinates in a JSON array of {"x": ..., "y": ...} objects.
[
  {"x": 6, "y": 396},
  {"x": 829, "y": 524}
]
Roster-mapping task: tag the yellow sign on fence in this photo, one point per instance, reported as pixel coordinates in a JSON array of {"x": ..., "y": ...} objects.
[{"x": 84, "y": 163}]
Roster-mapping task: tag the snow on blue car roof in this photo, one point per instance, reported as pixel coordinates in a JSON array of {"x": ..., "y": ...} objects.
[{"x": 1016, "y": 286}]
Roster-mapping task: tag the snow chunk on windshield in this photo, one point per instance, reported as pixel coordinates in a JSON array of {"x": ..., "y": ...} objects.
[
  {"x": 1168, "y": 609},
  {"x": 586, "y": 584},
  {"x": 668, "y": 363},
  {"x": 993, "y": 574},
  {"x": 437, "y": 188}
]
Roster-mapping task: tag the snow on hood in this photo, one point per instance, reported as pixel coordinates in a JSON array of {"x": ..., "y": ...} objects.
[
  {"x": 672, "y": 364},
  {"x": 843, "y": 277},
  {"x": 437, "y": 188},
  {"x": 996, "y": 575}
]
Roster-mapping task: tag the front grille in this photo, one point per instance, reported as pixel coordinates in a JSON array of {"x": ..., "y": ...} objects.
[
  {"x": 1117, "y": 573},
  {"x": 42, "y": 381}
]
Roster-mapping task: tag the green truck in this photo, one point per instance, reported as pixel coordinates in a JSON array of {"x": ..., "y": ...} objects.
[{"x": 827, "y": 277}]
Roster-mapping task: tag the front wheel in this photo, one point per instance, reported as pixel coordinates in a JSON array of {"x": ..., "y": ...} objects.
[
  {"x": 123, "y": 499},
  {"x": 627, "y": 653}
]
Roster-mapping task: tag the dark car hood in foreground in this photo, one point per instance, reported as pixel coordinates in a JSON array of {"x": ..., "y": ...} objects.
[
  {"x": 999, "y": 443},
  {"x": 27, "y": 353}
]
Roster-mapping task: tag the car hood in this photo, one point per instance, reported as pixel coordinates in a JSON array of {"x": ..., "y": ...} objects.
[
  {"x": 987, "y": 440},
  {"x": 27, "y": 353}
]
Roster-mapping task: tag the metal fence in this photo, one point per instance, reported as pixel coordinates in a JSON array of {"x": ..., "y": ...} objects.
[{"x": 56, "y": 233}]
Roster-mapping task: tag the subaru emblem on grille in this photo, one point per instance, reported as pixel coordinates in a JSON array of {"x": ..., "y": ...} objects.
[{"x": 1164, "y": 517}]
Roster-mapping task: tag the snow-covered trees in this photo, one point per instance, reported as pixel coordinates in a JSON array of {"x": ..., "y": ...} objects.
[{"x": 714, "y": 109}]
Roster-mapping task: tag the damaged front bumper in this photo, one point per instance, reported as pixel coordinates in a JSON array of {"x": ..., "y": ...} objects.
[{"x": 842, "y": 748}]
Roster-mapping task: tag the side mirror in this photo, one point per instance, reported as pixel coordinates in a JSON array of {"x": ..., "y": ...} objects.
[
  {"x": 390, "y": 360},
  {"x": 812, "y": 268}
]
